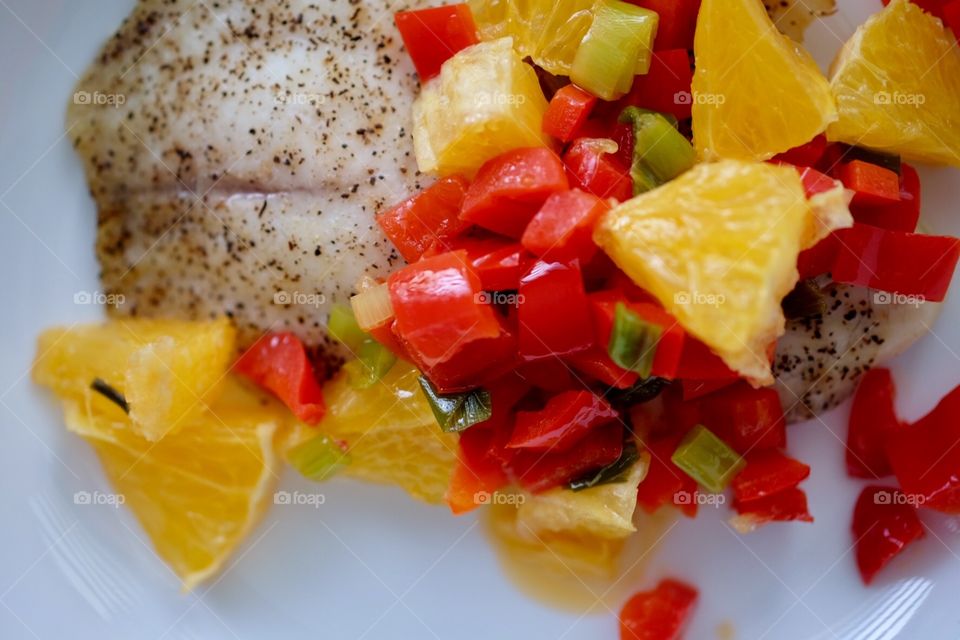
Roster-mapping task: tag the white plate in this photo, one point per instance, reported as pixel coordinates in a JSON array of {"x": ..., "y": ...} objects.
[{"x": 370, "y": 563}]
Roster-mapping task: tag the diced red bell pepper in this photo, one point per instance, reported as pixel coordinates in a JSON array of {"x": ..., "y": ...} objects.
[
  {"x": 566, "y": 418},
  {"x": 562, "y": 230},
  {"x": 665, "y": 483},
  {"x": 926, "y": 458},
  {"x": 678, "y": 20},
  {"x": 873, "y": 418},
  {"x": 814, "y": 182},
  {"x": 554, "y": 313},
  {"x": 510, "y": 189},
  {"x": 951, "y": 16},
  {"x": 278, "y": 362},
  {"x": 597, "y": 365},
  {"x": 666, "y": 360},
  {"x": 568, "y": 110},
  {"x": 871, "y": 183},
  {"x": 547, "y": 374},
  {"x": 786, "y": 506},
  {"x": 898, "y": 216},
  {"x": 537, "y": 471},
  {"x": 698, "y": 362},
  {"x": 384, "y": 334},
  {"x": 660, "y": 614},
  {"x": 666, "y": 87},
  {"x": 474, "y": 364},
  {"x": 819, "y": 258},
  {"x": 477, "y": 473},
  {"x": 596, "y": 171},
  {"x": 432, "y": 36},
  {"x": 432, "y": 216},
  {"x": 747, "y": 419},
  {"x": 906, "y": 263},
  {"x": 497, "y": 261},
  {"x": 884, "y": 523},
  {"x": 768, "y": 473},
  {"x": 806, "y": 155},
  {"x": 438, "y": 309},
  {"x": 693, "y": 389}
]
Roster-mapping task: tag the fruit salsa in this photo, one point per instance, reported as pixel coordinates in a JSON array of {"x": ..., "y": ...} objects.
[{"x": 630, "y": 200}]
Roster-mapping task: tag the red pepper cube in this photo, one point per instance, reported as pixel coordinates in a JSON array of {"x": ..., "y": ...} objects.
[
  {"x": 278, "y": 362},
  {"x": 497, "y": 261},
  {"x": 568, "y": 110},
  {"x": 666, "y": 87},
  {"x": 562, "y": 230},
  {"x": 665, "y": 483},
  {"x": 478, "y": 473},
  {"x": 747, "y": 419},
  {"x": 806, "y": 155},
  {"x": 873, "y": 417},
  {"x": 951, "y": 17},
  {"x": 564, "y": 421},
  {"x": 899, "y": 216},
  {"x": 660, "y": 614},
  {"x": 693, "y": 389},
  {"x": 594, "y": 169},
  {"x": 385, "y": 335},
  {"x": 925, "y": 457},
  {"x": 699, "y": 363},
  {"x": 786, "y": 506},
  {"x": 510, "y": 189},
  {"x": 872, "y": 183},
  {"x": 768, "y": 473},
  {"x": 433, "y": 36},
  {"x": 909, "y": 264},
  {"x": 439, "y": 309},
  {"x": 474, "y": 364},
  {"x": 597, "y": 366},
  {"x": 428, "y": 218},
  {"x": 819, "y": 258},
  {"x": 678, "y": 20},
  {"x": 815, "y": 183},
  {"x": 554, "y": 314},
  {"x": 666, "y": 360},
  {"x": 548, "y": 374},
  {"x": 537, "y": 471},
  {"x": 884, "y": 523}
]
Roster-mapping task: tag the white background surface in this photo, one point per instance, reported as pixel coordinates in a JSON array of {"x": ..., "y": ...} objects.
[{"x": 370, "y": 563}]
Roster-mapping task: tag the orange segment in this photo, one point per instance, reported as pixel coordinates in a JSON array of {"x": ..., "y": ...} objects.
[
  {"x": 718, "y": 247},
  {"x": 897, "y": 85},
  {"x": 197, "y": 493},
  {"x": 756, "y": 92}
]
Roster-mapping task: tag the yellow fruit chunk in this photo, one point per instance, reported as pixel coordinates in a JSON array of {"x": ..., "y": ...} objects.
[
  {"x": 604, "y": 511},
  {"x": 718, "y": 248},
  {"x": 391, "y": 433},
  {"x": 756, "y": 92},
  {"x": 485, "y": 102},
  {"x": 547, "y": 31},
  {"x": 198, "y": 492},
  {"x": 897, "y": 86},
  {"x": 163, "y": 368}
]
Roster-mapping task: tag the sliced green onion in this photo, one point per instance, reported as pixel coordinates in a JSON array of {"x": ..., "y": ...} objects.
[
  {"x": 633, "y": 342},
  {"x": 372, "y": 307},
  {"x": 707, "y": 459},
  {"x": 318, "y": 458},
  {"x": 617, "y": 46},
  {"x": 342, "y": 327},
  {"x": 805, "y": 301},
  {"x": 460, "y": 411},
  {"x": 373, "y": 362},
  {"x": 616, "y": 471},
  {"x": 660, "y": 152}
]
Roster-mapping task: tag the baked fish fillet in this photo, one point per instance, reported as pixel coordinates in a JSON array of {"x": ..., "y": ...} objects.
[{"x": 237, "y": 152}]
